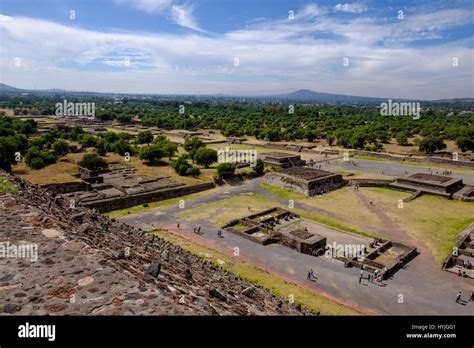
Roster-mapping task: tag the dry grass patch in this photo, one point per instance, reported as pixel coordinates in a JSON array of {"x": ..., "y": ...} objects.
[
  {"x": 221, "y": 211},
  {"x": 57, "y": 173}
]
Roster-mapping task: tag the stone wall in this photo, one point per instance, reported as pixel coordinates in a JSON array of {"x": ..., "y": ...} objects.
[
  {"x": 68, "y": 187},
  {"x": 371, "y": 182},
  {"x": 441, "y": 160},
  {"x": 274, "y": 179},
  {"x": 111, "y": 204},
  {"x": 428, "y": 159},
  {"x": 311, "y": 188}
]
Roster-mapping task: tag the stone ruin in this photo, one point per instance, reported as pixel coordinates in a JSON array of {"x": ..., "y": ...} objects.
[
  {"x": 283, "y": 160},
  {"x": 89, "y": 264},
  {"x": 260, "y": 228},
  {"x": 277, "y": 225},
  {"x": 438, "y": 185},
  {"x": 461, "y": 260},
  {"x": 305, "y": 180},
  {"x": 120, "y": 187}
]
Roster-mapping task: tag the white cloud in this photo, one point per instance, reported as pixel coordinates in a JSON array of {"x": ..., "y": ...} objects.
[
  {"x": 355, "y": 7},
  {"x": 149, "y": 6},
  {"x": 5, "y": 19},
  {"x": 183, "y": 16},
  {"x": 273, "y": 55}
]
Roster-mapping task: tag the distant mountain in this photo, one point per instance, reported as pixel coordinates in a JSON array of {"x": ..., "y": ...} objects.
[
  {"x": 7, "y": 88},
  {"x": 301, "y": 95},
  {"x": 312, "y": 96}
]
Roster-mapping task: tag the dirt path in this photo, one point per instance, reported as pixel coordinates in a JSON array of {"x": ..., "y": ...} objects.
[{"x": 391, "y": 229}]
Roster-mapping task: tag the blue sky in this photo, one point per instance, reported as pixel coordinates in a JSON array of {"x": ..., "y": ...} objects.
[{"x": 409, "y": 49}]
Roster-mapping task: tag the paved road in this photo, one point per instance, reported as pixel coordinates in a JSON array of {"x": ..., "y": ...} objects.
[
  {"x": 392, "y": 168},
  {"x": 424, "y": 288}
]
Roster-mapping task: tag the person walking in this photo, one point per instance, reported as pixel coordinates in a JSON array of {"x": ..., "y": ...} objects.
[{"x": 458, "y": 297}]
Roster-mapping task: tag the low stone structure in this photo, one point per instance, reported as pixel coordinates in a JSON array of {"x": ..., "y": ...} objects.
[
  {"x": 281, "y": 159},
  {"x": 120, "y": 187},
  {"x": 291, "y": 147},
  {"x": 277, "y": 225},
  {"x": 260, "y": 228},
  {"x": 305, "y": 180},
  {"x": 438, "y": 185},
  {"x": 461, "y": 162},
  {"x": 461, "y": 260},
  {"x": 236, "y": 140},
  {"x": 303, "y": 241},
  {"x": 91, "y": 176}
]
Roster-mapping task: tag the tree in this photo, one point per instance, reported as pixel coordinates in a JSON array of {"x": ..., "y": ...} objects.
[
  {"x": 7, "y": 153},
  {"x": 330, "y": 138},
  {"x": 93, "y": 161},
  {"x": 193, "y": 143},
  {"x": 233, "y": 129},
  {"x": 310, "y": 135},
  {"x": 431, "y": 144},
  {"x": 181, "y": 165},
  {"x": 169, "y": 149},
  {"x": 152, "y": 153},
  {"x": 37, "y": 163},
  {"x": 464, "y": 143},
  {"x": 225, "y": 170},
  {"x": 194, "y": 171},
  {"x": 45, "y": 158},
  {"x": 124, "y": 119},
  {"x": 88, "y": 141},
  {"x": 144, "y": 137},
  {"x": 101, "y": 147},
  {"x": 205, "y": 157},
  {"x": 122, "y": 147},
  {"x": 272, "y": 134},
  {"x": 402, "y": 139},
  {"x": 60, "y": 148},
  {"x": 259, "y": 167}
]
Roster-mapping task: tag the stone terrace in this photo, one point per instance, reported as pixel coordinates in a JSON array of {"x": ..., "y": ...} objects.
[
  {"x": 306, "y": 180},
  {"x": 439, "y": 185},
  {"x": 89, "y": 264}
]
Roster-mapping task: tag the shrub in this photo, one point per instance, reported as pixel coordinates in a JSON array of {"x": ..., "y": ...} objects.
[
  {"x": 152, "y": 153},
  {"x": 205, "y": 156},
  {"x": 60, "y": 148},
  {"x": 93, "y": 161},
  {"x": 225, "y": 170}
]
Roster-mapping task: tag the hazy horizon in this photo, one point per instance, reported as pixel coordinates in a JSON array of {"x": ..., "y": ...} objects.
[{"x": 407, "y": 49}]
